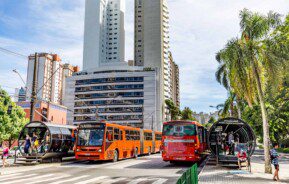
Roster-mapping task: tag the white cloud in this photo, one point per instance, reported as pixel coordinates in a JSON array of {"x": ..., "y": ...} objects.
[{"x": 198, "y": 30}]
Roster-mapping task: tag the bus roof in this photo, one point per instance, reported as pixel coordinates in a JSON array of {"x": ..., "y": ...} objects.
[{"x": 183, "y": 122}]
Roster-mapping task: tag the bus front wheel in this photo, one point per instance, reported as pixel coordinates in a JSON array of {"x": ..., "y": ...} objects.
[{"x": 115, "y": 156}]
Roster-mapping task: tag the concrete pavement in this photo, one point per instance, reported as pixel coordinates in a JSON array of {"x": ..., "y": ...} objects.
[
  {"x": 212, "y": 174},
  {"x": 144, "y": 170}
]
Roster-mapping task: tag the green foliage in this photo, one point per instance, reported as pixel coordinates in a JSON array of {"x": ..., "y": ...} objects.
[
  {"x": 211, "y": 121},
  {"x": 255, "y": 63},
  {"x": 187, "y": 114},
  {"x": 283, "y": 150},
  {"x": 10, "y": 124},
  {"x": 278, "y": 114},
  {"x": 174, "y": 110}
]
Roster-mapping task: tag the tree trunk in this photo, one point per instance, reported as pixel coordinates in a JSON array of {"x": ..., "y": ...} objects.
[{"x": 266, "y": 137}]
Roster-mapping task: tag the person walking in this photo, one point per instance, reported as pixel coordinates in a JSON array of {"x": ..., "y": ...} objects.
[
  {"x": 275, "y": 161},
  {"x": 5, "y": 155},
  {"x": 27, "y": 144},
  {"x": 231, "y": 143}
]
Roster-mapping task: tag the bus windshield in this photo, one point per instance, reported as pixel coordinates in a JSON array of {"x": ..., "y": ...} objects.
[
  {"x": 179, "y": 130},
  {"x": 90, "y": 137}
]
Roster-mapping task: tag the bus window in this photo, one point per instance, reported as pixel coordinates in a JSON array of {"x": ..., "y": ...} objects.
[
  {"x": 200, "y": 134},
  {"x": 179, "y": 130},
  {"x": 158, "y": 137},
  {"x": 109, "y": 134},
  {"x": 148, "y": 136},
  {"x": 116, "y": 134},
  {"x": 127, "y": 135},
  {"x": 137, "y": 135}
]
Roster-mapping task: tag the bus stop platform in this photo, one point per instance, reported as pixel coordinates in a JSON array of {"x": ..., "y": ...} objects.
[{"x": 212, "y": 174}]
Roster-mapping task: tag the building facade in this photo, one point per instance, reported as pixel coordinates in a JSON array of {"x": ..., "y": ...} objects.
[
  {"x": 152, "y": 43},
  {"x": 50, "y": 77},
  {"x": 46, "y": 112},
  {"x": 175, "y": 81},
  {"x": 104, "y": 34},
  {"x": 125, "y": 96}
]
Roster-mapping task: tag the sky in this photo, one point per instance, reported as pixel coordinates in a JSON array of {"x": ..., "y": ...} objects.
[{"x": 198, "y": 29}]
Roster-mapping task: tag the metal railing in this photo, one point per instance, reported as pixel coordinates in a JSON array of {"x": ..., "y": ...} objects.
[{"x": 190, "y": 176}]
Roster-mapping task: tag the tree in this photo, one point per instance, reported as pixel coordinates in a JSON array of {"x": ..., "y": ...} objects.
[
  {"x": 211, "y": 121},
  {"x": 174, "y": 110},
  {"x": 10, "y": 123},
  {"x": 254, "y": 62},
  {"x": 187, "y": 114},
  {"x": 231, "y": 107}
]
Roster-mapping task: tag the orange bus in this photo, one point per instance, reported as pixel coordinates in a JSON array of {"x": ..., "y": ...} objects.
[
  {"x": 106, "y": 141},
  {"x": 183, "y": 141}
]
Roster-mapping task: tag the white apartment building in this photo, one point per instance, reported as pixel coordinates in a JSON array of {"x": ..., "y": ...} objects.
[
  {"x": 124, "y": 96},
  {"x": 104, "y": 35},
  {"x": 152, "y": 42},
  {"x": 50, "y": 77}
]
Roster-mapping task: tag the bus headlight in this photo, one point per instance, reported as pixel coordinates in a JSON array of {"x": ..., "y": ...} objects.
[
  {"x": 77, "y": 149},
  {"x": 99, "y": 151}
]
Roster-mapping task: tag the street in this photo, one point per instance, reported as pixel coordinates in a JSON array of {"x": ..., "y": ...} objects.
[{"x": 144, "y": 170}]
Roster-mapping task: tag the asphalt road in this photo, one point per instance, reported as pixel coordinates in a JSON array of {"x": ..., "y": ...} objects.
[{"x": 144, "y": 170}]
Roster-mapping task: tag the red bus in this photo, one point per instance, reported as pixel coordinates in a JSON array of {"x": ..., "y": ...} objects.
[
  {"x": 106, "y": 141},
  {"x": 183, "y": 141}
]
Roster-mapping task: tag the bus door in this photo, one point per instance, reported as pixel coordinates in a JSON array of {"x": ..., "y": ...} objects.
[
  {"x": 141, "y": 141},
  {"x": 117, "y": 143},
  {"x": 153, "y": 142},
  {"x": 109, "y": 142}
]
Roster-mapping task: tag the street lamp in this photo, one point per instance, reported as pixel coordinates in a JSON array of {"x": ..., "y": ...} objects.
[{"x": 15, "y": 71}]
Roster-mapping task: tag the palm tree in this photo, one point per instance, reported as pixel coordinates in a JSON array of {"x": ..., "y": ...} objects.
[
  {"x": 230, "y": 108},
  {"x": 254, "y": 62}
]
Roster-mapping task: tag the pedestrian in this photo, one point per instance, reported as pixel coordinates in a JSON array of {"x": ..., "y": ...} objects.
[
  {"x": 231, "y": 143},
  {"x": 5, "y": 155},
  {"x": 275, "y": 161},
  {"x": 242, "y": 157},
  {"x": 27, "y": 144},
  {"x": 34, "y": 142}
]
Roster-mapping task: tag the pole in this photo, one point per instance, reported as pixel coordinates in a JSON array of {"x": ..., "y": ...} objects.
[
  {"x": 152, "y": 122},
  {"x": 34, "y": 85},
  {"x": 142, "y": 116}
]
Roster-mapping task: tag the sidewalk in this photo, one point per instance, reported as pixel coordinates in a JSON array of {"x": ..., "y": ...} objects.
[
  {"x": 217, "y": 174},
  {"x": 10, "y": 161}
]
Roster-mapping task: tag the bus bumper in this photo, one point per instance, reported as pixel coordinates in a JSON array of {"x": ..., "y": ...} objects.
[
  {"x": 88, "y": 156},
  {"x": 182, "y": 158}
]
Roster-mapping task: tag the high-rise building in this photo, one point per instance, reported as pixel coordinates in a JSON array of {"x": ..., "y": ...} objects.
[
  {"x": 152, "y": 42},
  {"x": 104, "y": 35},
  {"x": 175, "y": 81},
  {"x": 21, "y": 95},
  {"x": 50, "y": 76}
]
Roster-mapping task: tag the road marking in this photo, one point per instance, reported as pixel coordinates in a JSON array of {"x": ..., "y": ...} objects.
[
  {"x": 160, "y": 181},
  {"x": 69, "y": 180},
  {"x": 9, "y": 175},
  {"x": 16, "y": 177},
  {"x": 92, "y": 180},
  {"x": 138, "y": 180},
  {"x": 109, "y": 181},
  {"x": 30, "y": 178},
  {"x": 49, "y": 179}
]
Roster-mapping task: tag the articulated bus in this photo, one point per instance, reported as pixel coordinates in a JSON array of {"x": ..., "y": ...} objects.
[
  {"x": 105, "y": 141},
  {"x": 183, "y": 141}
]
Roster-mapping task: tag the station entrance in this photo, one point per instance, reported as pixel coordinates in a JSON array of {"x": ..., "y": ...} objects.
[{"x": 228, "y": 136}]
